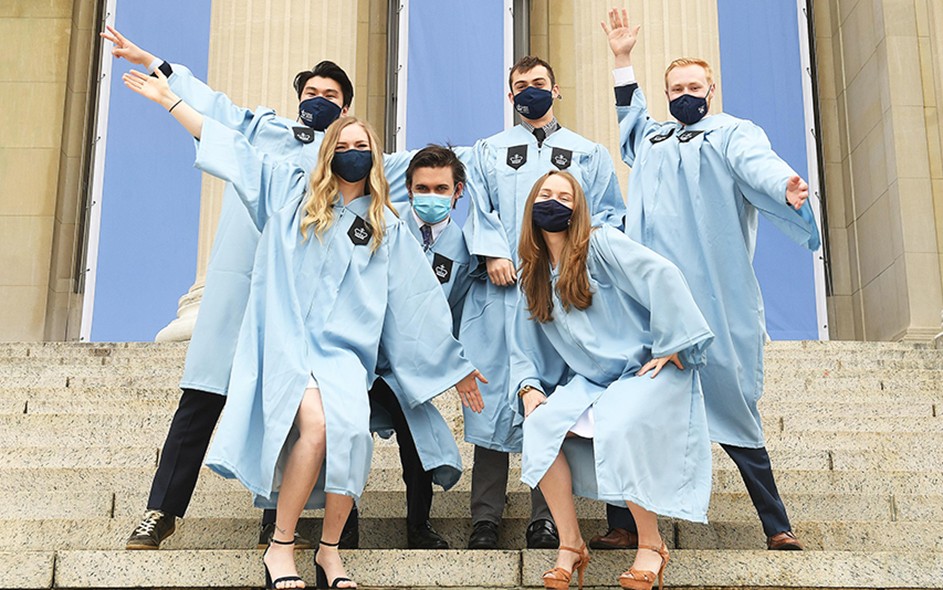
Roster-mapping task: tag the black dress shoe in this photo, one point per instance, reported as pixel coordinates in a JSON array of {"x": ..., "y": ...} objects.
[
  {"x": 265, "y": 537},
  {"x": 542, "y": 534},
  {"x": 350, "y": 536},
  {"x": 484, "y": 536},
  {"x": 152, "y": 530},
  {"x": 425, "y": 537}
]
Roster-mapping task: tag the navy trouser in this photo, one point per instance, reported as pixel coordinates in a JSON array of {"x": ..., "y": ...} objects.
[
  {"x": 757, "y": 473},
  {"x": 184, "y": 449}
]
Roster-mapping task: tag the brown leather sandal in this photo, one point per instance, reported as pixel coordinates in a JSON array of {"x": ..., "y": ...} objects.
[
  {"x": 559, "y": 579},
  {"x": 643, "y": 579}
]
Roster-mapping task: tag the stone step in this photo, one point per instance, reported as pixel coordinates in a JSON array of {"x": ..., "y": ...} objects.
[
  {"x": 504, "y": 569},
  {"x": 154, "y": 373},
  {"x": 164, "y": 401},
  {"x": 38, "y": 430},
  {"x": 137, "y": 479},
  {"x": 382, "y": 504},
  {"x": 385, "y": 533}
]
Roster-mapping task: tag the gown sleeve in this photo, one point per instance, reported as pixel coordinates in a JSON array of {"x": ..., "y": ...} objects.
[
  {"x": 634, "y": 125},
  {"x": 208, "y": 102},
  {"x": 484, "y": 233},
  {"x": 534, "y": 362},
  {"x": 417, "y": 329},
  {"x": 604, "y": 194},
  {"x": 677, "y": 325},
  {"x": 264, "y": 184},
  {"x": 761, "y": 175},
  {"x": 394, "y": 166}
]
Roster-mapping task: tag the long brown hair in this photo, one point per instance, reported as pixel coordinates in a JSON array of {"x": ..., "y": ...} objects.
[
  {"x": 323, "y": 187},
  {"x": 573, "y": 284}
]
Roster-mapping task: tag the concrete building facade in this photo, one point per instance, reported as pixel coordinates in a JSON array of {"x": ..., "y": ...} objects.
[{"x": 880, "y": 86}]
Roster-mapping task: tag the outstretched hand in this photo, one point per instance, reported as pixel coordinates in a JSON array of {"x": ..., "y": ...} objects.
[
  {"x": 154, "y": 88},
  {"x": 468, "y": 391},
  {"x": 659, "y": 363},
  {"x": 797, "y": 192},
  {"x": 622, "y": 36},
  {"x": 126, "y": 49}
]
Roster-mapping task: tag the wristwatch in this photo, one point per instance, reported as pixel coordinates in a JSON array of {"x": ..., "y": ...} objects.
[{"x": 525, "y": 390}]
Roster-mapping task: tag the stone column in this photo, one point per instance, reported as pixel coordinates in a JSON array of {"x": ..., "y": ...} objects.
[
  {"x": 880, "y": 76},
  {"x": 256, "y": 48}
]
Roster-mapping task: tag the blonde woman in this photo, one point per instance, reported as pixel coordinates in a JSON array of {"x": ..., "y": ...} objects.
[
  {"x": 625, "y": 338},
  {"x": 337, "y": 275}
]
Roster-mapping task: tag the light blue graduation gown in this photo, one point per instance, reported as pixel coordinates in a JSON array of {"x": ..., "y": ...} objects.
[
  {"x": 321, "y": 307},
  {"x": 693, "y": 197},
  {"x": 503, "y": 170},
  {"x": 226, "y": 291},
  {"x": 650, "y": 443},
  {"x": 434, "y": 440}
]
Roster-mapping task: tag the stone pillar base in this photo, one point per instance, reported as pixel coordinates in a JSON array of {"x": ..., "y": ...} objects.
[{"x": 181, "y": 328}]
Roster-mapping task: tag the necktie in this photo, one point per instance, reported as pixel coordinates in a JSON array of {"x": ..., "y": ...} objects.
[
  {"x": 541, "y": 135},
  {"x": 426, "y": 232}
]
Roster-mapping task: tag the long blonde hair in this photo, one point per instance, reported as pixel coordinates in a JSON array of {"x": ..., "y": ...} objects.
[
  {"x": 323, "y": 188},
  {"x": 573, "y": 285}
]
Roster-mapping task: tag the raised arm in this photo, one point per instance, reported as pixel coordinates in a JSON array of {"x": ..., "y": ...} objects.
[
  {"x": 263, "y": 184},
  {"x": 184, "y": 84},
  {"x": 631, "y": 108}
]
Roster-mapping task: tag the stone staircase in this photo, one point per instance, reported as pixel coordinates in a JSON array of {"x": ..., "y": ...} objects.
[{"x": 855, "y": 431}]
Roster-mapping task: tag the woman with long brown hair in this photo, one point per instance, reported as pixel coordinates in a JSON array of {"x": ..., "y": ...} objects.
[
  {"x": 607, "y": 317},
  {"x": 337, "y": 275}
]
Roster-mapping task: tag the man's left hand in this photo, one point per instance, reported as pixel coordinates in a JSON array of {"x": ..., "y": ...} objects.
[{"x": 797, "y": 192}]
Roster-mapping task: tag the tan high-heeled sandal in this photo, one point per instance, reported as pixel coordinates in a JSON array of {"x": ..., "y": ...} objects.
[
  {"x": 643, "y": 579},
  {"x": 559, "y": 579}
]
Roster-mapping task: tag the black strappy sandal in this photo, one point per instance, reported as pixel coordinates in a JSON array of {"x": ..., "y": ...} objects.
[
  {"x": 269, "y": 584},
  {"x": 322, "y": 575}
]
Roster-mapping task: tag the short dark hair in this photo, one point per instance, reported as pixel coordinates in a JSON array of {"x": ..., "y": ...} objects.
[
  {"x": 436, "y": 156},
  {"x": 526, "y": 64},
  {"x": 326, "y": 69}
]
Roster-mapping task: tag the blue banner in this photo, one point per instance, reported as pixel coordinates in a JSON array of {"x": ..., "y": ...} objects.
[
  {"x": 762, "y": 81},
  {"x": 457, "y": 80},
  {"x": 151, "y": 192}
]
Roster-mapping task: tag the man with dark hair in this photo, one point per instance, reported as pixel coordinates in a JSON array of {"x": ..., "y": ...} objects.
[
  {"x": 435, "y": 179},
  {"x": 325, "y": 93},
  {"x": 503, "y": 170}
]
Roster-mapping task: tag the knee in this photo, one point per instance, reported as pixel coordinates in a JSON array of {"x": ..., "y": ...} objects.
[{"x": 311, "y": 425}]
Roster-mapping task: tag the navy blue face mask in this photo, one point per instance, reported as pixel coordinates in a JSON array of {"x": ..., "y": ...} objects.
[
  {"x": 352, "y": 165},
  {"x": 533, "y": 103},
  {"x": 688, "y": 109},
  {"x": 318, "y": 112},
  {"x": 551, "y": 215}
]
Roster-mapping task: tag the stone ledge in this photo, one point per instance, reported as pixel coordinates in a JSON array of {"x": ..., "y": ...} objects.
[
  {"x": 764, "y": 569},
  {"x": 239, "y": 569},
  {"x": 26, "y": 569},
  {"x": 506, "y": 569}
]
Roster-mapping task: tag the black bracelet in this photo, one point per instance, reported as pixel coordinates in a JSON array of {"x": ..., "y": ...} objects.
[{"x": 171, "y": 109}]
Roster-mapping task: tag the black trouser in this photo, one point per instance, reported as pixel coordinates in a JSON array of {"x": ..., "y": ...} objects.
[
  {"x": 418, "y": 481},
  {"x": 184, "y": 449},
  {"x": 757, "y": 474}
]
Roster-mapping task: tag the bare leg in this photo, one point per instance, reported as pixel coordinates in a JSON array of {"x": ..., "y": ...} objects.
[
  {"x": 647, "y": 535},
  {"x": 301, "y": 473},
  {"x": 336, "y": 509},
  {"x": 557, "y": 488}
]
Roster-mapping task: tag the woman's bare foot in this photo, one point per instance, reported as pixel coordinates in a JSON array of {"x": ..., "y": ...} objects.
[
  {"x": 280, "y": 561},
  {"x": 328, "y": 558}
]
